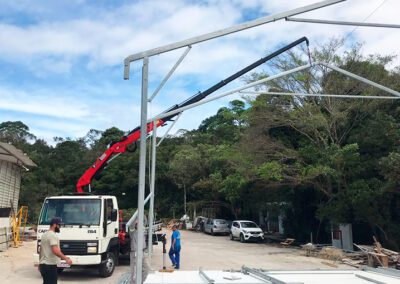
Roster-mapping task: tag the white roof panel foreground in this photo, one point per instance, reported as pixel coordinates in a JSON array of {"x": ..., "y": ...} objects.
[{"x": 278, "y": 277}]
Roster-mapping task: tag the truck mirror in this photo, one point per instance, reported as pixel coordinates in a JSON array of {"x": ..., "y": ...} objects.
[{"x": 114, "y": 215}]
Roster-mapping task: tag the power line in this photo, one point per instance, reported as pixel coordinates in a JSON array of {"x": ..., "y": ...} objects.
[{"x": 366, "y": 18}]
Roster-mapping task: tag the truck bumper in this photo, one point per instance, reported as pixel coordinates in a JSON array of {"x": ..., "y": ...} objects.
[{"x": 76, "y": 260}]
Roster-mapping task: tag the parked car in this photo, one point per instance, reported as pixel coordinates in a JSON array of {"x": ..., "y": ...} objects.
[
  {"x": 246, "y": 231},
  {"x": 216, "y": 226}
]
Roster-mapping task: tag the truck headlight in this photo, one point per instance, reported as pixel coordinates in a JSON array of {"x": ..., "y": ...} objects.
[
  {"x": 92, "y": 250},
  {"x": 91, "y": 247}
]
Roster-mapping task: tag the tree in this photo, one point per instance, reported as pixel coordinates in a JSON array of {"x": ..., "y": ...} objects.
[
  {"x": 327, "y": 144},
  {"x": 186, "y": 168},
  {"x": 15, "y": 132}
]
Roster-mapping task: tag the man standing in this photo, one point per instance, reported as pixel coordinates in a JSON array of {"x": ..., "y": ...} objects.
[
  {"x": 175, "y": 250},
  {"x": 50, "y": 253}
]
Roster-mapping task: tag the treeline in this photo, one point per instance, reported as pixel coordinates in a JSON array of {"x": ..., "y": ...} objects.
[{"x": 316, "y": 161}]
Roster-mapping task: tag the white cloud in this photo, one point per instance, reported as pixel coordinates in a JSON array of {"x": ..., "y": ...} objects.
[
  {"x": 39, "y": 103},
  {"x": 114, "y": 34}
]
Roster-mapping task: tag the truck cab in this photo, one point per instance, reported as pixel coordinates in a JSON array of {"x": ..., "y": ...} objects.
[{"x": 89, "y": 230}]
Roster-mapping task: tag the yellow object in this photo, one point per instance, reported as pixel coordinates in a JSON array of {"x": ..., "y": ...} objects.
[{"x": 18, "y": 220}]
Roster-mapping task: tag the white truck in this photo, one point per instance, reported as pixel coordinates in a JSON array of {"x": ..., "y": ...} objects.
[{"x": 90, "y": 234}]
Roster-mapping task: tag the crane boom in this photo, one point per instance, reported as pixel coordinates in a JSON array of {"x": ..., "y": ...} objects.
[{"x": 134, "y": 135}]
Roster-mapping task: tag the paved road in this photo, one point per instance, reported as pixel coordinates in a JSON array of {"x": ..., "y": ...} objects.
[{"x": 198, "y": 250}]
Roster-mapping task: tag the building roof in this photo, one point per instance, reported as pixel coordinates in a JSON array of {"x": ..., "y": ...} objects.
[{"x": 11, "y": 154}]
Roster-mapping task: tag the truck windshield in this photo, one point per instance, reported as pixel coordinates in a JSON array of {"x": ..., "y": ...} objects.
[{"x": 71, "y": 211}]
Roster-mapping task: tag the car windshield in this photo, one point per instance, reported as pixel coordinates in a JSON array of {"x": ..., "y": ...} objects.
[
  {"x": 248, "y": 225},
  {"x": 71, "y": 211},
  {"x": 220, "y": 222}
]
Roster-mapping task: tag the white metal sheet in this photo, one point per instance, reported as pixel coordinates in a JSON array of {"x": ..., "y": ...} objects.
[{"x": 306, "y": 277}]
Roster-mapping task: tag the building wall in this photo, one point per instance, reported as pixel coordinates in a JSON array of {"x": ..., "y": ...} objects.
[{"x": 10, "y": 182}]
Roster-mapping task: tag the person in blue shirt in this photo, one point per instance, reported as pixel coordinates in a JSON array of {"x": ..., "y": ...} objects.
[{"x": 174, "y": 251}]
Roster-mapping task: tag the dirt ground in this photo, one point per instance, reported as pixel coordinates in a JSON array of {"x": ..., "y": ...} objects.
[{"x": 198, "y": 250}]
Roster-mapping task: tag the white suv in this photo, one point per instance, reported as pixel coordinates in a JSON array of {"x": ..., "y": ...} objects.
[{"x": 246, "y": 231}]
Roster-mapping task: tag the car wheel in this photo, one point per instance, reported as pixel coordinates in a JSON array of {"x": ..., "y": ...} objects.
[
  {"x": 212, "y": 232},
  {"x": 242, "y": 240},
  {"x": 231, "y": 237},
  {"x": 107, "y": 267}
]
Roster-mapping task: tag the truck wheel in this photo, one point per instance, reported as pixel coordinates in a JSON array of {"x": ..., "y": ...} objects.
[
  {"x": 242, "y": 240},
  {"x": 231, "y": 237},
  {"x": 107, "y": 266}
]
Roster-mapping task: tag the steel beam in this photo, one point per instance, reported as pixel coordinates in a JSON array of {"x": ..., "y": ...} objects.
[
  {"x": 282, "y": 74},
  {"x": 369, "y": 279},
  {"x": 152, "y": 185},
  {"x": 205, "y": 276},
  {"x": 359, "y": 78},
  {"x": 265, "y": 276},
  {"x": 223, "y": 32},
  {"x": 134, "y": 216},
  {"x": 247, "y": 86},
  {"x": 170, "y": 73},
  {"x": 343, "y": 23},
  {"x": 318, "y": 95},
  {"x": 169, "y": 129},
  {"x": 142, "y": 170}
]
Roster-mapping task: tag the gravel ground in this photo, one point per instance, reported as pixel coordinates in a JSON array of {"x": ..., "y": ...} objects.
[{"x": 198, "y": 250}]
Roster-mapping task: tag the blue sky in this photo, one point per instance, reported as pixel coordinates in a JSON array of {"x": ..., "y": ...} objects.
[{"x": 61, "y": 62}]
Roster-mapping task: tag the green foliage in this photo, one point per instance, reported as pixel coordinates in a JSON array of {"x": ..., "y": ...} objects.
[
  {"x": 15, "y": 132},
  {"x": 271, "y": 171}
]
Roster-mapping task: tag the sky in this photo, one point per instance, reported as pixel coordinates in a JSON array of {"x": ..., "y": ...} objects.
[{"x": 61, "y": 62}]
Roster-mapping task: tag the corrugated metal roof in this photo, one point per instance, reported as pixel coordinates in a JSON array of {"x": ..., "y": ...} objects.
[{"x": 11, "y": 154}]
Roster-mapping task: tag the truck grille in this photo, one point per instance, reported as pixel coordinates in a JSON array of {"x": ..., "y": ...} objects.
[{"x": 73, "y": 247}]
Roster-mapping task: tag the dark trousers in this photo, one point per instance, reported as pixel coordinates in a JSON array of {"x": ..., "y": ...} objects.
[
  {"x": 49, "y": 273},
  {"x": 174, "y": 255}
]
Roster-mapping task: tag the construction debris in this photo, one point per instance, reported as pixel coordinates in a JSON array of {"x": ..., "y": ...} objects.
[
  {"x": 373, "y": 256},
  {"x": 287, "y": 242}
]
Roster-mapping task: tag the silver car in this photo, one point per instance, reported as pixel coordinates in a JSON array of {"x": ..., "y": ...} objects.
[{"x": 216, "y": 226}]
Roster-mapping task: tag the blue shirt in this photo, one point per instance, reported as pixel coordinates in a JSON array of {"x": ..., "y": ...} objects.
[{"x": 176, "y": 235}]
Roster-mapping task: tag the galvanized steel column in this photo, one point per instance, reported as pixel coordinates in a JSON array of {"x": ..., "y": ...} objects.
[
  {"x": 152, "y": 184},
  {"x": 142, "y": 170}
]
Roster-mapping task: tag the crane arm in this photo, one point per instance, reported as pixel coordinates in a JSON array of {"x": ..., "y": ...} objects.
[{"x": 120, "y": 146}]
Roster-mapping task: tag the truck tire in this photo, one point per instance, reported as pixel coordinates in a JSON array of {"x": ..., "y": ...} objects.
[
  {"x": 242, "y": 240},
  {"x": 107, "y": 266}
]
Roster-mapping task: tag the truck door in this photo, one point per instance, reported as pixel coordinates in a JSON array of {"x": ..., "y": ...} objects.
[{"x": 109, "y": 224}]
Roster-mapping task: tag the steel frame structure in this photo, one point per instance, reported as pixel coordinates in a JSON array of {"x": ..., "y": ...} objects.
[
  {"x": 283, "y": 74},
  {"x": 343, "y": 23},
  {"x": 144, "y": 56}
]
